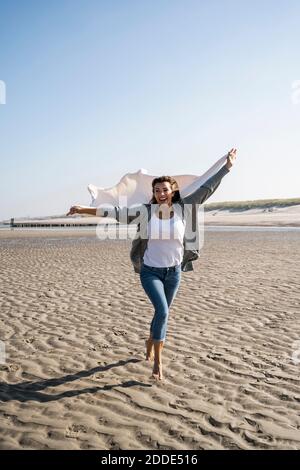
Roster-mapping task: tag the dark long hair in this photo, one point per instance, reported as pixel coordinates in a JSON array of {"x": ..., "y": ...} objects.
[{"x": 174, "y": 186}]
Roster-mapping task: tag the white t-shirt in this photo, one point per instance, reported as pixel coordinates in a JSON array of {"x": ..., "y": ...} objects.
[{"x": 165, "y": 242}]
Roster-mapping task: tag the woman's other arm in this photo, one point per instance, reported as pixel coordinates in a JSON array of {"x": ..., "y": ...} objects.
[
  {"x": 82, "y": 210},
  {"x": 123, "y": 215}
]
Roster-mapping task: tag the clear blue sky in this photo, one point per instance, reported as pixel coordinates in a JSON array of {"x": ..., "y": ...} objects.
[{"x": 96, "y": 89}]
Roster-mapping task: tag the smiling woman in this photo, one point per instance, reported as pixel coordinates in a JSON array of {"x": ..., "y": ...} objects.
[
  {"x": 160, "y": 250},
  {"x": 165, "y": 190}
]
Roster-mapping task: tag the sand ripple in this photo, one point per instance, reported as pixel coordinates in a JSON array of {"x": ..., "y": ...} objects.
[{"x": 74, "y": 318}]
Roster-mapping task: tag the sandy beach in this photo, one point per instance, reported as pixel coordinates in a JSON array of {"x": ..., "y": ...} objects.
[{"x": 74, "y": 318}]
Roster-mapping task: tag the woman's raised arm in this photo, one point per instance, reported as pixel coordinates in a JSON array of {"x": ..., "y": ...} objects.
[{"x": 208, "y": 188}]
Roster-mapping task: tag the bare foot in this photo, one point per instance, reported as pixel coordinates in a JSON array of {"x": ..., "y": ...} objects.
[
  {"x": 157, "y": 371},
  {"x": 149, "y": 350}
]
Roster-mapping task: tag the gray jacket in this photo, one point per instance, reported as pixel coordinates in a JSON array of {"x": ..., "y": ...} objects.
[{"x": 187, "y": 206}]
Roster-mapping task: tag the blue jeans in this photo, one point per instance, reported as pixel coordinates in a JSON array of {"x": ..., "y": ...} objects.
[{"x": 161, "y": 285}]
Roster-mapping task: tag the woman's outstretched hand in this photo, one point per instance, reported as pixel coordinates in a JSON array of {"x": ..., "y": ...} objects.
[
  {"x": 74, "y": 210},
  {"x": 231, "y": 156}
]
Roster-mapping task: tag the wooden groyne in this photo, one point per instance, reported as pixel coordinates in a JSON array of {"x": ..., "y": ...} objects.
[{"x": 61, "y": 222}]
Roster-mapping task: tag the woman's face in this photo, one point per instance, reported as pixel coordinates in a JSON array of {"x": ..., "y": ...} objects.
[{"x": 163, "y": 193}]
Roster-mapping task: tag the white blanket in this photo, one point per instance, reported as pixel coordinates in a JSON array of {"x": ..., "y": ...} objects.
[{"x": 135, "y": 188}]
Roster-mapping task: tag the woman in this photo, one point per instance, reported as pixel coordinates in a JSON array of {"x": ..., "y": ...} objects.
[{"x": 162, "y": 254}]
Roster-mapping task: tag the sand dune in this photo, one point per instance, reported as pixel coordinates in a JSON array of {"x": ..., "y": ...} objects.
[
  {"x": 74, "y": 318},
  {"x": 273, "y": 216}
]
